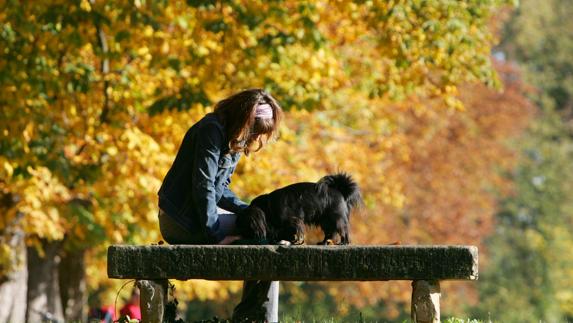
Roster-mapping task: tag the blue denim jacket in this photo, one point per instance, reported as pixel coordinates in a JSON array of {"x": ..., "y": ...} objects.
[{"x": 198, "y": 181}]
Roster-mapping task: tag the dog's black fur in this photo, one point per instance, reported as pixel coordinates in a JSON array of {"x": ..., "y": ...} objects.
[{"x": 282, "y": 214}]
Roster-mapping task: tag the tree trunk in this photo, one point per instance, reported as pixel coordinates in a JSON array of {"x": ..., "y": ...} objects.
[
  {"x": 14, "y": 286},
  {"x": 73, "y": 288},
  {"x": 44, "y": 301}
]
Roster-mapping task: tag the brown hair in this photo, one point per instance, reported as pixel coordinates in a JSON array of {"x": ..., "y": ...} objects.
[{"x": 243, "y": 129}]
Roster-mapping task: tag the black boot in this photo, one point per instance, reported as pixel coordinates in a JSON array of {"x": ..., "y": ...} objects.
[{"x": 251, "y": 309}]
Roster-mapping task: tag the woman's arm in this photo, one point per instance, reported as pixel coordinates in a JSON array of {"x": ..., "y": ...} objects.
[
  {"x": 206, "y": 158},
  {"x": 230, "y": 202}
]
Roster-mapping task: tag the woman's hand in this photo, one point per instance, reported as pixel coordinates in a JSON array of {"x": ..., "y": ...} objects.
[{"x": 229, "y": 239}]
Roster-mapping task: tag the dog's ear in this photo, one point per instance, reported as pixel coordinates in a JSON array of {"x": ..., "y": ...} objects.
[
  {"x": 259, "y": 223},
  {"x": 251, "y": 223}
]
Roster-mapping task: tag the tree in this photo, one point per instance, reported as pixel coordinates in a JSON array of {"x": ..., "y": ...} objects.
[
  {"x": 434, "y": 178},
  {"x": 529, "y": 277},
  {"x": 95, "y": 97},
  {"x": 538, "y": 37}
]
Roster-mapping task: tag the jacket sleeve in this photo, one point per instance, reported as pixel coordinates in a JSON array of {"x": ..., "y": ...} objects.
[
  {"x": 230, "y": 202},
  {"x": 206, "y": 158}
]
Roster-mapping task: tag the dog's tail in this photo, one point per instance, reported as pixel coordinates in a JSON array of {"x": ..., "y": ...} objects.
[{"x": 343, "y": 183}]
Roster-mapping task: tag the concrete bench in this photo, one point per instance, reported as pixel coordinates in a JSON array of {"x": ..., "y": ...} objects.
[{"x": 425, "y": 266}]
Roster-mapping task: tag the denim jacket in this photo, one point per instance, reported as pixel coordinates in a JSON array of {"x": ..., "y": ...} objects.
[{"x": 198, "y": 181}]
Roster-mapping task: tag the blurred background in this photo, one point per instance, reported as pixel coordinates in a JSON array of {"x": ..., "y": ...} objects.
[{"x": 455, "y": 118}]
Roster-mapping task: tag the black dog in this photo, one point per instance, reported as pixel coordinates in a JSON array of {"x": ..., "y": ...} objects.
[{"x": 282, "y": 214}]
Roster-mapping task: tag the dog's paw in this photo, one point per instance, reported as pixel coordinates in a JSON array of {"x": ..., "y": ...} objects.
[
  {"x": 284, "y": 243},
  {"x": 328, "y": 242}
]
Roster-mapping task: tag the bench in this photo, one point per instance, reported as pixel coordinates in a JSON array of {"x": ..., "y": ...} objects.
[{"x": 425, "y": 266}]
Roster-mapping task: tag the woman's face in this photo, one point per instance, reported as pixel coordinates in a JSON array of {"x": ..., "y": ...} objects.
[{"x": 253, "y": 137}]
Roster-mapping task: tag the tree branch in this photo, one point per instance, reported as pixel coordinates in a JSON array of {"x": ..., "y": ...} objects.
[{"x": 104, "y": 68}]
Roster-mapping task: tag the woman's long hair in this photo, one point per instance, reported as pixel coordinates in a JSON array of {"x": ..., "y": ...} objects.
[{"x": 243, "y": 129}]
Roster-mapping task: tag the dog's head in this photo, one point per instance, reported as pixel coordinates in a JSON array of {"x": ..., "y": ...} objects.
[{"x": 251, "y": 224}]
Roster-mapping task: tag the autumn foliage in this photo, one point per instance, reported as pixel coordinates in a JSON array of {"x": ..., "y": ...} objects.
[{"x": 96, "y": 97}]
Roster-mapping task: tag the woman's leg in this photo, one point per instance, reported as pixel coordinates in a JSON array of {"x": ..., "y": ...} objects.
[
  {"x": 226, "y": 223},
  {"x": 257, "y": 295},
  {"x": 260, "y": 301},
  {"x": 173, "y": 233}
]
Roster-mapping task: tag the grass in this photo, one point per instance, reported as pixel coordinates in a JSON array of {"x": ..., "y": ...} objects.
[
  {"x": 292, "y": 319},
  {"x": 457, "y": 320},
  {"x": 288, "y": 319}
]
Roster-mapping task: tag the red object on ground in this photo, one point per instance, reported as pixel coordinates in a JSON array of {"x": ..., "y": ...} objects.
[{"x": 131, "y": 310}]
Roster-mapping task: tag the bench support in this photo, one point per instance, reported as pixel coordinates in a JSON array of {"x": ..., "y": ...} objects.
[
  {"x": 425, "y": 305},
  {"x": 425, "y": 266},
  {"x": 153, "y": 298},
  {"x": 425, "y": 301}
]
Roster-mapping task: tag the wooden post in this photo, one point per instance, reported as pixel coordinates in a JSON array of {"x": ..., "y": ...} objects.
[
  {"x": 153, "y": 298},
  {"x": 426, "y": 301}
]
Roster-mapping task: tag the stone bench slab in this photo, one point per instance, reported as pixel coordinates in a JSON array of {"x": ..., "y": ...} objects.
[{"x": 294, "y": 263}]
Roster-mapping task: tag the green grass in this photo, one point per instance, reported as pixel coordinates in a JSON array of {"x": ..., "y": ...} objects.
[
  {"x": 294, "y": 319},
  {"x": 457, "y": 320},
  {"x": 290, "y": 319}
]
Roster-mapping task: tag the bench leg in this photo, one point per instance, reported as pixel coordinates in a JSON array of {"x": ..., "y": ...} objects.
[
  {"x": 426, "y": 301},
  {"x": 153, "y": 298}
]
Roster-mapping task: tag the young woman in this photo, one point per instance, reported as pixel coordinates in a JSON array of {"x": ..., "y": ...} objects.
[{"x": 195, "y": 192}]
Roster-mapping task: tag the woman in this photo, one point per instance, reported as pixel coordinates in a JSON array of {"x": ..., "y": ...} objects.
[{"x": 195, "y": 191}]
